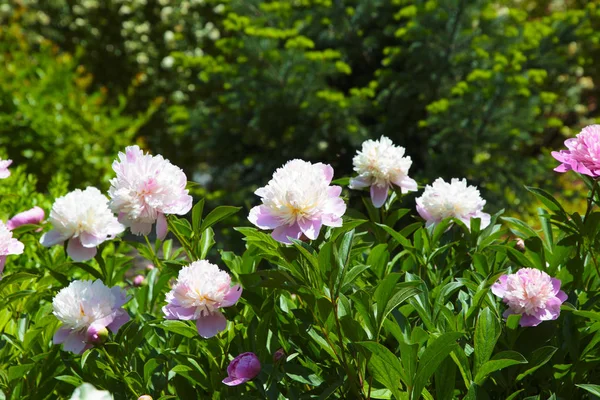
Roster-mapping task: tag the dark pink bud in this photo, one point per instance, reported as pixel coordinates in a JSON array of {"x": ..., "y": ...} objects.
[
  {"x": 138, "y": 280},
  {"x": 279, "y": 355},
  {"x": 242, "y": 369},
  {"x": 32, "y": 216},
  {"x": 149, "y": 267}
]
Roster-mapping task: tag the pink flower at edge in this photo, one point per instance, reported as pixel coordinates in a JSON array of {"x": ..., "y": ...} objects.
[
  {"x": 532, "y": 293},
  {"x": 298, "y": 201},
  {"x": 199, "y": 293},
  {"x": 243, "y": 368},
  {"x": 34, "y": 216},
  {"x": 4, "y": 171},
  {"x": 8, "y": 245},
  {"x": 583, "y": 154},
  {"x": 146, "y": 189}
]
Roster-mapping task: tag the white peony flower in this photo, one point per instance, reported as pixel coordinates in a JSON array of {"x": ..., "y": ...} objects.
[
  {"x": 200, "y": 291},
  {"x": 8, "y": 245},
  {"x": 299, "y": 200},
  {"x": 84, "y": 219},
  {"x": 86, "y": 309},
  {"x": 442, "y": 200},
  {"x": 145, "y": 189},
  {"x": 380, "y": 165},
  {"x": 87, "y": 391}
]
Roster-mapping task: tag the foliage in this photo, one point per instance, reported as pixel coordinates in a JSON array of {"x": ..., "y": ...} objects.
[
  {"x": 381, "y": 307},
  {"x": 49, "y": 120},
  {"x": 250, "y": 84}
]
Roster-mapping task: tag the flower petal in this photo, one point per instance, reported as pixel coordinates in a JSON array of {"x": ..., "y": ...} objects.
[
  {"x": 211, "y": 324},
  {"x": 79, "y": 253},
  {"x": 282, "y": 232},
  {"x": 161, "y": 227},
  {"x": 230, "y": 381},
  {"x": 379, "y": 195},
  {"x": 51, "y": 238},
  {"x": 120, "y": 319},
  {"x": 310, "y": 227},
  {"x": 262, "y": 218},
  {"x": 234, "y": 294}
]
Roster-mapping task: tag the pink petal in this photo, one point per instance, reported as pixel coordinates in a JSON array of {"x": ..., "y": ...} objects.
[
  {"x": 34, "y": 215},
  {"x": 229, "y": 381},
  {"x": 234, "y": 294},
  {"x": 61, "y": 335},
  {"x": 75, "y": 342},
  {"x": 334, "y": 191},
  {"x": 282, "y": 232},
  {"x": 406, "y": 184},
  {"x": 15, "y": 247},
  {"x": 499, "y": 288},
  {"x": 529, "y": 320},
  {"x": 79, "y": 253},
  {"x": 88, "y": 240},
  {"x": 177, "y": 312},
  {"x": 141, "y": 228},
  {"x": 331, "y": 220},
  {"x": 310, "y": 227},
  {"x": 359, "y": 182},
  {"x": 562, "y": 296},
  {"x": 120, "y": 319},
  {"x": 379, "y": 195},
  {"x": 485, "y": 219},
  {"x": 51, "y": 238},
  {"x": 262, "y": 218},
  {"x": 2, "y": 263},
  {"x": 211, "y": 324},
  {"x": 327, "y": 171},
  {"x": 161, "y": 227}
]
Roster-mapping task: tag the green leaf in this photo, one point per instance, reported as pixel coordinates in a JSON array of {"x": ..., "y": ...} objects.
[
  {"x": 499, "y": 361},
  {"x": 538, "y": 358},
  {"x": 197, "y": 215},
  {"x": 400, "y": 296},
  {"x": 179, "y": 327},
  {"x": 384, "y": 366},
  {"x": 487, "y": 332},
  {"x": 149, "y": 368},
  {"x": 435, "y": 352},
  {"x": 547, "y": 199},
  {"x": 218, "y": 214},
  {"x": 593, "y": 389},
  {"x": 73, "y": 380},
  {"x": 206, "y": 242}
]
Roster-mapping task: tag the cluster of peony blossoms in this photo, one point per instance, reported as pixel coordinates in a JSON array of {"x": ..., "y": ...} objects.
[
  {"x": 200, "y": 291},
  {"x": 583, "y": 154},
  {"x": 87, "y": 309}
]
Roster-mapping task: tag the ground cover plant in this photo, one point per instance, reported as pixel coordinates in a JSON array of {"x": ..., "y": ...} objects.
[{"x": 371, "y": 286}]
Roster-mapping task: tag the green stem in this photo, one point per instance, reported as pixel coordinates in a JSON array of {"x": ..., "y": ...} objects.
[
  {"x": 590, "y": 201},
  {"x": 155, "y": 260}
]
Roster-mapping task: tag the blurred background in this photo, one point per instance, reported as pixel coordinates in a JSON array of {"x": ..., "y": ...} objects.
[{"x": 231, "y": 89}]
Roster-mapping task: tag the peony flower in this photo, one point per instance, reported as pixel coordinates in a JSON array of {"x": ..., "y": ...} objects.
[
  {"x": 442, "y": 200},
  {"x": 583, "y": 154},
  {"x": 8, "y": 245},
  {"x": 145, "y": 397},
  {"x": 33, "y": 216},
  {"x": 380, "y": 165},
  {"x": 86, "y": 309},
  {"x": 145, "y": 189},
  {"x": 532, "y": 293},
  {"x": 87, "y": 391},
  {"x": 200, "y": 291},
  {"x": 298, "y": 201},
  {"x": 243, "y": 368},
  {"x": 4, "y": 171},
  {"x": 138, "y": 280},
  {"x": 82, "y": 218}
]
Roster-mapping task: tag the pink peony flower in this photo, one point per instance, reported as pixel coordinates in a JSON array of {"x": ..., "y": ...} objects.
[
  {"x": 200, "y": 291},
  {"x": 32, "y": 216},
  {"x": 82, "y": 218},
  {"x": 532, "y": 293},
  {"x": 380, "y": 164},
  {"x": 299, "y": 201},
  {"x": 243, "y": 368},
  {"x": 8, "y": 245},
  {"x": 4, "y": 172},
  {"x": 456, "y": 199},
  {"x": 86, "y": 309},
  {"x": 138, "y": 280},
  {"x": 145, "y": 189},
  {"x": 583, "y": 154}
]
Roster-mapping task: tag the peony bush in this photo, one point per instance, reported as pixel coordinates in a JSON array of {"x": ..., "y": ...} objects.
[{"x": 407, "y": 291}]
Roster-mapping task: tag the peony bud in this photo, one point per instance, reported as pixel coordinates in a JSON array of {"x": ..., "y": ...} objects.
[
  {"x": 520, "y": 245},
  {"x": 138, "y": 280},
  {"x": 149, "y": 267},
  {"x": 278, "y": 356},
  {"x": 145, "y": 397},
  {"x": 33, "y": 216},
  {"x": 242, "y": 369},
  {"x": 97, "y": 334}
]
